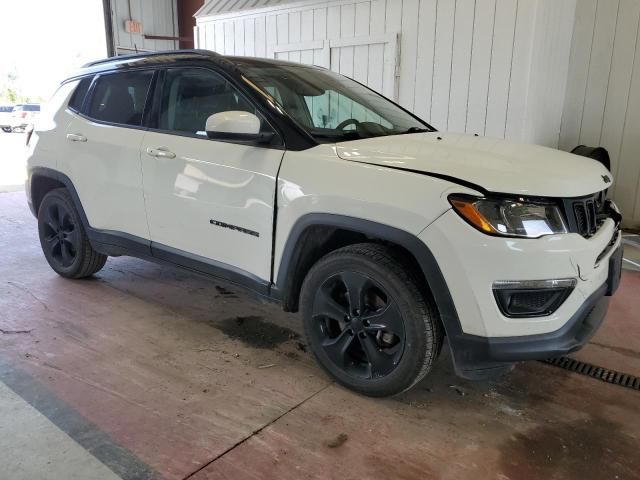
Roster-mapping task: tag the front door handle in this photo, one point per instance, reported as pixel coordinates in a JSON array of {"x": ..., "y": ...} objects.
[
  {"x": 76, "y": 137},
  {"x": 160, "y": 152}
]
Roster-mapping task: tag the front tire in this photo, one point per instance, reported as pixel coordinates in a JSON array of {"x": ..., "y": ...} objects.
[
  {"x": 367, "y": 321},
  {"x": 63, "y": 239}
]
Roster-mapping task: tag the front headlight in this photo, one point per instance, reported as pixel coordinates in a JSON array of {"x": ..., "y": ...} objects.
[{"x": 510, "y": 217}]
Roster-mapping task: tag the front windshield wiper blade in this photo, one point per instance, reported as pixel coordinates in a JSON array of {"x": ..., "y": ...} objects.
[
  {"x": 415, "y": 130},
  {"x": 346, "y": 135}
]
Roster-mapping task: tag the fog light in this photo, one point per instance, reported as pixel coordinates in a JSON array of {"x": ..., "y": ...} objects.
[{"x": 532, "y": 298}]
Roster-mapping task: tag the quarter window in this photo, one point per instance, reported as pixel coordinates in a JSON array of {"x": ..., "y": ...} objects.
[
  {"x": 77, "y": 99},
  {"x": 120, "y": 97},
  {"x": 190, "y": 96}
]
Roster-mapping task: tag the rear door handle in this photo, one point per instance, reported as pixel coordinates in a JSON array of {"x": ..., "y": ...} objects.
[
  {"x": 160, "y": 152},
  {"x": 76, "y": 137}
]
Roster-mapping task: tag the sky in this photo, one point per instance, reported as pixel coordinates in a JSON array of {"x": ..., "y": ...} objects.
[{"x": 42, "y": 40}]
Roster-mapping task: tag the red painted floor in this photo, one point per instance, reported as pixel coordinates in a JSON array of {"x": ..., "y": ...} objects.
[
  {"x": 198, "y": 381},
  {"x": 616, "y": 345}
]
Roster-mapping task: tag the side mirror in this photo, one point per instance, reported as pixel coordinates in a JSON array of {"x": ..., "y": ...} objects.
[{"x": 236, "y": 126}]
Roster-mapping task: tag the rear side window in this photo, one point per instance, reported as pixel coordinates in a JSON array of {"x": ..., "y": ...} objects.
[
  {"x": 4, "y": 109},
  {"x": 120, "y": 97},
  {"x": 32, "y": 108},
  {"x": 77, "y": 99}
]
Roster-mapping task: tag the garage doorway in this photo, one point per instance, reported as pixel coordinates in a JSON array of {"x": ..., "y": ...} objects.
[{"x": 41, "y": 42}]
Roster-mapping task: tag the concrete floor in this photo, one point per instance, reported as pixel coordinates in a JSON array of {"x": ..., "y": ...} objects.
[{"x": 150, "y": 372}]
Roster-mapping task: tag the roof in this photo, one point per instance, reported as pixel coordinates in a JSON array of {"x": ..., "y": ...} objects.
[
  {"x": 148, "y": 59},
  {"x": 221, "y": 7},
  {"x": 173, "y": 57},
  {"x": 167, "y": 54}
]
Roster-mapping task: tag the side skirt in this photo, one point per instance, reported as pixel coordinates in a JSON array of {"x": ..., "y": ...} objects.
[{"x": 121, "y": 244}]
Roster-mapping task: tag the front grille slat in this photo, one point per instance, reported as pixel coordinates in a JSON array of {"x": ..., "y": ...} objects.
[
  {"x": 581, "y": 218},
  {"x": 591, "y": 216},
  {"x": 585, "y": 213}
]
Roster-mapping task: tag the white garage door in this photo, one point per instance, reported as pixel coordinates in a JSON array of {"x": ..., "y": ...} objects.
[{"x": 371, "y": 60}]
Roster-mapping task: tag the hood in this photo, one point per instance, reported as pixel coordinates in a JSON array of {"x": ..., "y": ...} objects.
[{"x": 493, "y": 165}]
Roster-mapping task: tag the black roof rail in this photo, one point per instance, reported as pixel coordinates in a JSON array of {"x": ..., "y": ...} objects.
[{"x": 196, "y": 51}]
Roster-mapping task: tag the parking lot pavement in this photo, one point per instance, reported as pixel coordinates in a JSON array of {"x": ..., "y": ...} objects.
[
  {"x": 12, "y": 161},
  {"x": 159, "y": 373}
]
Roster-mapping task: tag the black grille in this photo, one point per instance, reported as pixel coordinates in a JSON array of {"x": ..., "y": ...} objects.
[
  {"x": 585, "y": 214},
  {"x": 581, "y": 218}
]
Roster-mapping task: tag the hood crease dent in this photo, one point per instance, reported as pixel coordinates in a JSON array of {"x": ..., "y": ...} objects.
[{"x": 483, "y": 164}]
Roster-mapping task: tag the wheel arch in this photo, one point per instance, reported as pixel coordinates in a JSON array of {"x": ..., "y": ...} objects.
[
  {"x": 42, "y": 180},
  {"x": 40, "y": 184},
  {"x": 303, "y": 248}
]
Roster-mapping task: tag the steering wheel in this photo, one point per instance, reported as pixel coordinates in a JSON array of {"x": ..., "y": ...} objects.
[{"x": 350, "y": 121}]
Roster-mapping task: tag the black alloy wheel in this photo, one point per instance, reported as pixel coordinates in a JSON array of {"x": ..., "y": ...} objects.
[
  {"x": 60, "y": 234},
  {"x": 359, "y": 325},
  {"x": 369, "y": 320},
  {"x": 63, "y": 239}
]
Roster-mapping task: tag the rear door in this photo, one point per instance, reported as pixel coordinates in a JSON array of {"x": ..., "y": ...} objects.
[
  {"x": 103, "y": 154},
  {"x": 211, "y": 201}
]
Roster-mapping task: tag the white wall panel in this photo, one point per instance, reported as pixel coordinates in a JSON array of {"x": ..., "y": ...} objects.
[
  {"x": 521, "y": 70},
  {"x": 461, "y": 64},
  {"x": 465, "y": 65},
  {"x": 549, "y": 71},
  {"x": 600, "y": 67},
  {"x": 442, "y": 63},
  {"x": 426, "y": 50},
  {"x": 500, "y": 73},
  {"x": 409, "y": 49},
  {"x": 602, "y": 104},
  {"x": 480, "y": 67}
]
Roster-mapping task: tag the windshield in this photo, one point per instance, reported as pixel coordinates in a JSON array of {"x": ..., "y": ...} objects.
[{"x": 332, "y": 107}]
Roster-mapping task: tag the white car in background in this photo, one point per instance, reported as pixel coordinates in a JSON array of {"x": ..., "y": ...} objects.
[
  {"x": 5, "y": 118},
  {"x": 23, "y": 115}
]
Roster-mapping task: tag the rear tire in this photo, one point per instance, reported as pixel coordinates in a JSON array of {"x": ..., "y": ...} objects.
[
  {"x": 367, "y": 322},
  {"x": 63, "y": 239}
]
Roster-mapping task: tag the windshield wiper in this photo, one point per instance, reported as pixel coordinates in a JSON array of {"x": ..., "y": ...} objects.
[
  {"x": 352, "y": 135},
  {"x": 414, "y": 130}
]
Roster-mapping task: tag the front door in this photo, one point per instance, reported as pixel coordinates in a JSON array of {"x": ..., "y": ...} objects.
[{"x": 207, "y": 201}]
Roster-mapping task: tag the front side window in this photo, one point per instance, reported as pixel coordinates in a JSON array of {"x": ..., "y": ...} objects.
[
  {"x": 120, "y": 97},
  {"x": 329, "y": 106},
  {"x": 191, "y": 95}
]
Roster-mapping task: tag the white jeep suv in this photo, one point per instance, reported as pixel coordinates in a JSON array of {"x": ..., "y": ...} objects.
[{"x": 317, "y": 193}]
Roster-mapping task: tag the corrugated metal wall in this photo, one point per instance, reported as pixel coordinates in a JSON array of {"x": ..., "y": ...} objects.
[
  {"x": 493, "y": 67},
  {"x": 602, "y": 105},
  {"x": 158, "y": 17}
]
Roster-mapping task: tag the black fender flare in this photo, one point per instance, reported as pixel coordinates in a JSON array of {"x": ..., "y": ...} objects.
[
  {"x": 420, "y": 251},
  {"x": 59, "y": 177}
]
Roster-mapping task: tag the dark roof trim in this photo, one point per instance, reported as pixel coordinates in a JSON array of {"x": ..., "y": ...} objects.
[{"x": 136, "y": 56}]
